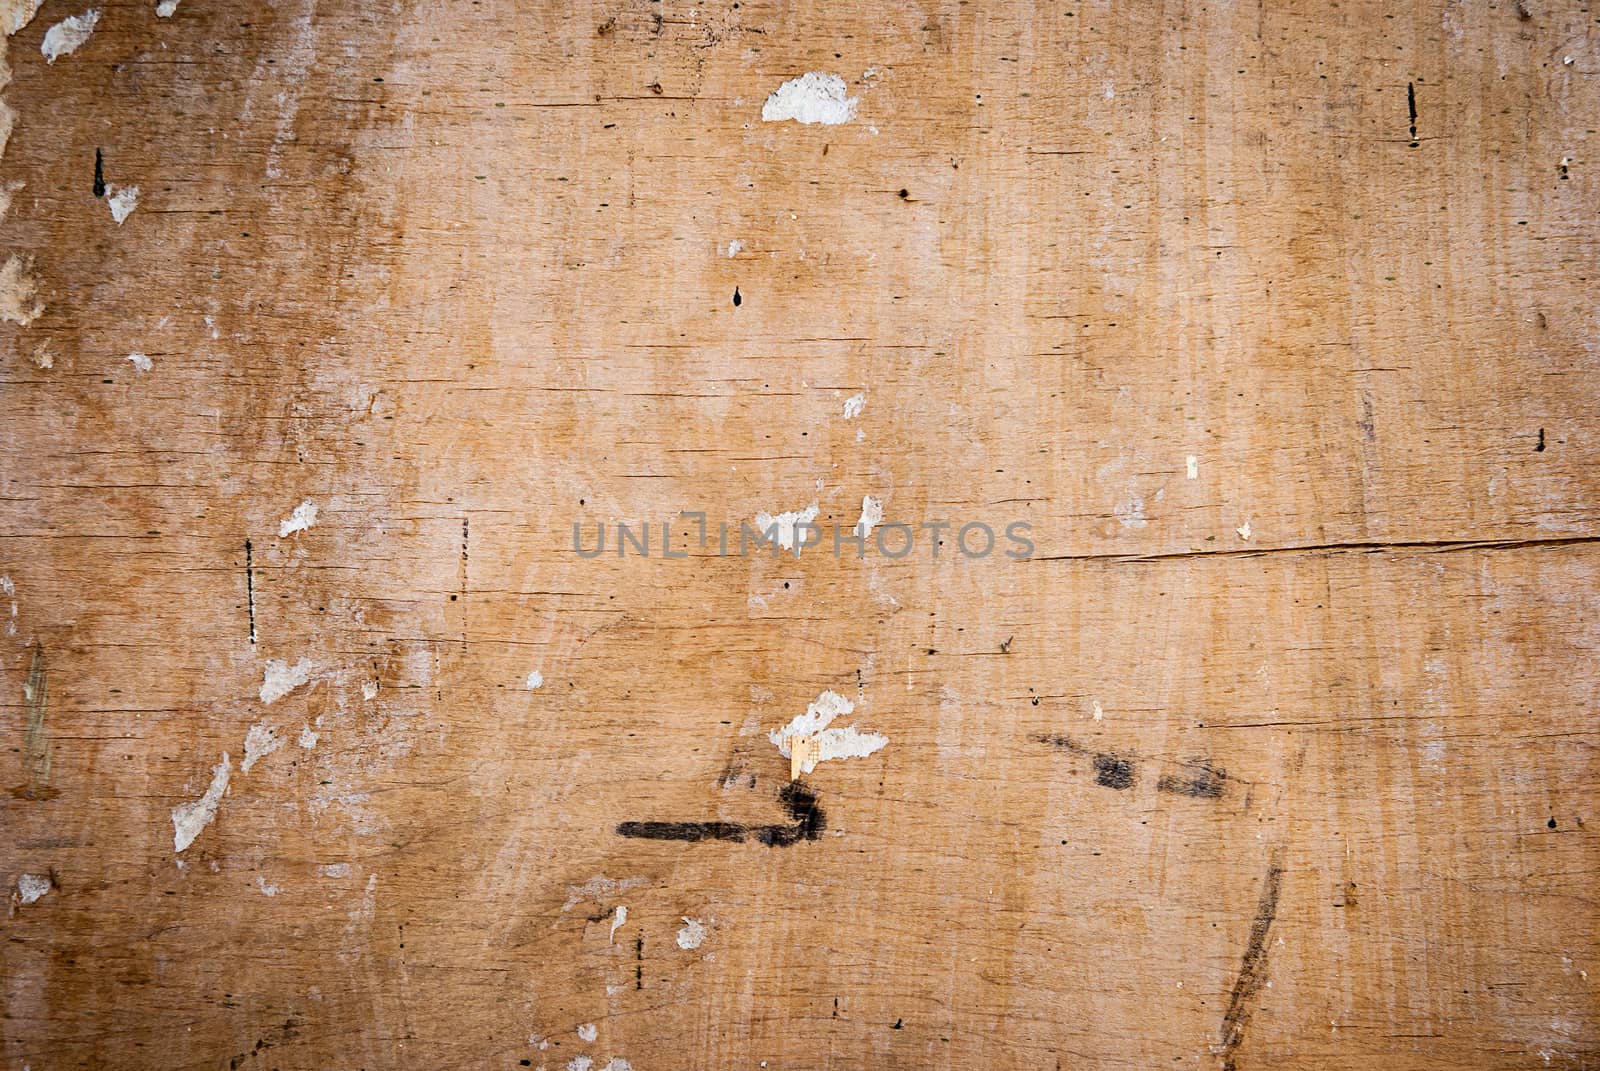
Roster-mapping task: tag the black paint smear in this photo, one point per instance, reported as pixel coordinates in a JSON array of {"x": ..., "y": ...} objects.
[
  {"x": 1113, "y": 772},
  {"x": 1253, "y": 966},
  {"x": 638, "y": 962},
  {"x": 1206, "y": 784},
  {"x": 1411, "y": 104},
  {"x": 250, "y": 588},
  {"x": 1540, "y": 448},
  {"x": 797, "y": 798},
  {"x": 99, "y": 174},
  {"x": 737, "y": 300}
]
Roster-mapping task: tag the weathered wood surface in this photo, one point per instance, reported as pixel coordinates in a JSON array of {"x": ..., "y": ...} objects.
[{"x": 459, "y": 275}]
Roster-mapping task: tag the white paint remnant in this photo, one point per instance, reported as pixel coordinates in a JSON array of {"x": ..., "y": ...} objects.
[
  {"x": 303, "y": 517},
  {"x": 846, "y": 743},
  {"x": 141, "y": 362},
  {"x": 166, "y": 9},
  {"x": 8, "y": 190},
  {"x": 15, "y": 14},
  {"x": 307, "y": 738},
  {"x": 535, "y": 680},
  {"x": 734, "y": 247},
  {"x": 1244, "y": 531},
  {"x": 617, "y": 920},
  {"x": 68, "y": 35},
  {"x": 580, "y": 1063},
  {"x": 1192, "y": 467},
  {"x": 854, "y": 404},
  {"x": 617, "y": 1063},
  {"x": 693, "y": 932},
  {"x": 1131, "y": 512},
  {"x": 188, "y": 819},
  {"x": 597, "y": 889},
  {"x": 122, "y": 200},
  {"x": 280, "y": 678},
  {"x": 19, "y": 287},
  {"x": 369, "y": 690},
  {"x": 259, "y": 742},
  {"x": 30, "y": 887},
  {"x": 588, "y": 1032},
  {"x": 335, "y": 870},
  {"x": 266, "y": 890},
  {"x": 1099, "y": 711},
  {"x": 871, "y": 516},
  {"x": 8, "y": 587},
  {"x": 812, "y": 98},
  {"x": 787, "y": 523}
]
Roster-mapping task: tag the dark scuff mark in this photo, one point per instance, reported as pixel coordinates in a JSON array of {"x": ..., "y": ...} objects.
[
  {"x": 250, "y": 587},
  {"x": 1411, "y": 105},
  {"x": 799, "y": 800},
  {"x": 1253, "y": 965},
  {"x": 1205, "y": 783},
  {"x": 99, "y": 174},
  {"x": 1539, "y": 449},
  {"x": 737, "y": 298},
  {"x": 638, "y": 961},
  {"x": 1112, "y": 772}
]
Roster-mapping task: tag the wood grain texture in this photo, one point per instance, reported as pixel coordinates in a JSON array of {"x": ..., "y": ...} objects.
[{"x": 1160, "y": 795}]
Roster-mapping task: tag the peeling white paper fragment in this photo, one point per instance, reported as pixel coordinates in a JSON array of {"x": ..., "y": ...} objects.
[
  {"x": 617, "y": 920},
  {"x": 166, "y": 9},
  {"x": 141, "y": 362},
  {"x": 871, "y": 516},
  {"x": 188, "y": 819},
  {"x": 734, "y": 247},
  {"x": 280, "y": 678},
  {"x": 535, "y": 680},
  {"x": 693, "y": 932},
  {"x": 812, "y": 98},
  {"x": 786, "y": 524},
  {"x": 854, "y": 404},
  {"x": 847, "y": 743},
  {"x": 30, "y": 887},
  {"x": 68, "y": 35},
  {"x": 1244, "y": 531},
  {"x": 122, "y": 200},
  {"x": 259, "y": 742},
  {"x": 19, "y": 289},
  {"x": 588, "y": 1032},
  {"x": 1192, "y": 467},
  {"x": 303, "y": 517}
]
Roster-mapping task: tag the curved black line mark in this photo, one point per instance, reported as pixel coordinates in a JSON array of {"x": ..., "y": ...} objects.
[{"x": 809, "y": 823}]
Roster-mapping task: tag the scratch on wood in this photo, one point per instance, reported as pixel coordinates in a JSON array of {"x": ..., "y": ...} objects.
[
  {"x": 1253, "y": 966},
  {"x": 250, "y": 587},
  {"x": 36, "y": 740}
]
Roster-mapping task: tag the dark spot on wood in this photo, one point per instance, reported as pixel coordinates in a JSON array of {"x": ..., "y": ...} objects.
[
  {"x": 1539, "y": 449},
  {"x": 1253, "y": 965},
  {"x": 1205, "y": 783},
  {"x": 99, "y": 174},
  {"x": 737, "y": 300},
  {"x": 1113, "y": 772}
]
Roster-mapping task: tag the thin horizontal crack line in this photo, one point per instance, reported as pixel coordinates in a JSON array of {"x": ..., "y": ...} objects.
[{"x": 1425, "y": 545}]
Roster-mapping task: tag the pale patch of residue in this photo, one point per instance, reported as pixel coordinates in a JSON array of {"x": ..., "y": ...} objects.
[
  {"x": 141, "y": 362},
  {"x": 1131, "y": 512},
  {"x": 1099, "y": 711},
  {"x": 597, "y": 889},
  {"x": 188, "y": 819},
  {"x": 535, "y": 680},
  {"x": 369, "y": 690},
  {"x": 854, "y": 404},
  {"x": 871, "y": 516},
  {"x": 303, "y": 517},
  {"x": 1244, "y": 531},
  {"x": 122, "y": 200},
  {"x": 68, "y": 35},
  {"x": 166, "y": 9},
  {"x": 617, "y": 920},
  {"x": 846, "y": 743},
  {"x": 693, "y": 932},
  {"x": 266, "y": 890},
  {"x": 1192, "y": 467},
  {"x": 814, "y": 97},
  {"x": 259, "y": 742},
  {"x": 588, "y": 1032},
  {"x": 19, "y": 287},
  {"x": 335, "y": 870},
  {"x": 580, "y": 1063},
  {"x": 30, "y": 887},
  {"x": 8, "y": 190},
  {"x": 280, "y": 678},
  {"x": 15, "y": 14},
  {"x": 786, "y": 524},
  {"x": 307, "y": 738},
  {"x": 734, "y": 247}
]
